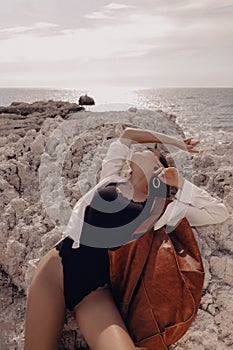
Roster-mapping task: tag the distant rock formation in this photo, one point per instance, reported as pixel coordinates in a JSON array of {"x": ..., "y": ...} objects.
[{"x": 86, "y": 100}]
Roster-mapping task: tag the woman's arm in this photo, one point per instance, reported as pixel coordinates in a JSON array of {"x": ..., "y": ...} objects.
[
  {"x": 133, "y": 135},
  {"x": 197, "y": 205},
  {"x": 203, "y": 209},
  {"x": 119, "y": 151}
]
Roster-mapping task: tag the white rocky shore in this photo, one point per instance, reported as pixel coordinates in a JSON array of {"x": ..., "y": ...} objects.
[{"x": 50, "y": 155}]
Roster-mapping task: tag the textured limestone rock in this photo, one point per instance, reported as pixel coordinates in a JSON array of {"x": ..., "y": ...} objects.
[
  {"x": 49, "y": 153},
  {"x": 20, "y": 117}
]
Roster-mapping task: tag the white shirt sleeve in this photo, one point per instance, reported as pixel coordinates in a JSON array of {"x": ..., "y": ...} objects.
[
  {"x": 115, "y": 159},
  {"x": 194, "y": 204},
  {"x": 199, "y": 207}
]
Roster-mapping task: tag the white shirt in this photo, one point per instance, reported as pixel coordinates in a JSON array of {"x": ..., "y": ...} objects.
[{"x": 191, "y": 202}]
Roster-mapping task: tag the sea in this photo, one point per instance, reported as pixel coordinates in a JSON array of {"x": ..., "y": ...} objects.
[{"x": 203, "y": 113}]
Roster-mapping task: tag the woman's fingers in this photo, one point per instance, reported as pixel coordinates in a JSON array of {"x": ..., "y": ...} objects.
[
  {"x": 158, "y": 171},
  {"x": 193, "y": 144},
  {"x": 190, "y": 145},
  {"x": 194, "y": 151},
  {"x": 169, "y": 176},
  {"x": 191, "y": 149},
  {"x": 190, "y": 141}
]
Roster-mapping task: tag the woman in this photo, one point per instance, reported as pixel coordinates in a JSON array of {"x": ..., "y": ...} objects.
[{"x": 75, "y": 274}]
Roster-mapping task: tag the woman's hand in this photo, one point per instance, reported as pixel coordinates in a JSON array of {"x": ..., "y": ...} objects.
[
  {"x": 170, "y": 176},
  {"x": 190, "y": 145}
]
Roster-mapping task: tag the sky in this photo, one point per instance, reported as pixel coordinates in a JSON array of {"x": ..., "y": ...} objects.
[{"x": 141, "y": 44}]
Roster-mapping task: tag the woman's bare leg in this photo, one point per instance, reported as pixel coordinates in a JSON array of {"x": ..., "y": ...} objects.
[
  {"x": 45, "y": 305},
  {"x": 100, "y": 322}
]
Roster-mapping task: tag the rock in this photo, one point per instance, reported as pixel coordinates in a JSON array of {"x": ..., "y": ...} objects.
[
  {"x": 46, "y": 146},
  {"x": 30, "y": 269},
  {"x": 38, "y": 144},
  {"x": 132, "y": 109},
  {"x": 14, "y": 255},
  {"x": 18, "y": 118},
  {"x": 7, "y": 191},
  {"x": 86, "y": 100},
  {"x": 19, "y": 205},
  {"x": 222, "y": 268}
]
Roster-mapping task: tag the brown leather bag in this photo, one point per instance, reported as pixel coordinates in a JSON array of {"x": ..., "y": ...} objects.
[{"x": 157, "y": 283}]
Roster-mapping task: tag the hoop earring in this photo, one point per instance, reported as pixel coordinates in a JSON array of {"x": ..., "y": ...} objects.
[{"x": 157, "y": 183}]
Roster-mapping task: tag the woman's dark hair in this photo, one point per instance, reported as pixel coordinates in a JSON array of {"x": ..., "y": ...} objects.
[{"x": 162, "y": 160}]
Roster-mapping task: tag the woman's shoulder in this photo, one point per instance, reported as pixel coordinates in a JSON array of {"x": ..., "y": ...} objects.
[{"x": 109, "y": 192}]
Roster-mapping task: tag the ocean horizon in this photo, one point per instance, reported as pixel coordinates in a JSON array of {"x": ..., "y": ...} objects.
[{"x": 206, "y": 113}]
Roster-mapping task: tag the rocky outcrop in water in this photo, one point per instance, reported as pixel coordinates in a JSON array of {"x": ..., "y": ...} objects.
[
  {"x": 20, "y": 117},
  {"x": 56, "y": 157}
]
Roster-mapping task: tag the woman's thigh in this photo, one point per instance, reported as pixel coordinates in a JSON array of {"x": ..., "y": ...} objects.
[
  {"x": 101, "y": 323},
  {"x": 45, "y": 310}
]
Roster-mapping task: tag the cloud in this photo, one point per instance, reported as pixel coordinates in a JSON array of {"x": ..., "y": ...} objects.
[
  {"x": 223, "y": 9},
  {"x": 98, "y": 15},
  {"x": 117, "y": 6},
  {"x": 109, "y": 11},
  {"x": 140, "y": 35},
  {"x": 39, "y": 26},
  {"x": 116, "y": 42},
  {"x": 130, "y": 39},
  {"x": 43, "y": 25},
  {"x": 16, "y": 30}
]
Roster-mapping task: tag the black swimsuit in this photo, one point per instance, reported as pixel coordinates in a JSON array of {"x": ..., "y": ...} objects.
[{"x": 87, "y": 267}]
